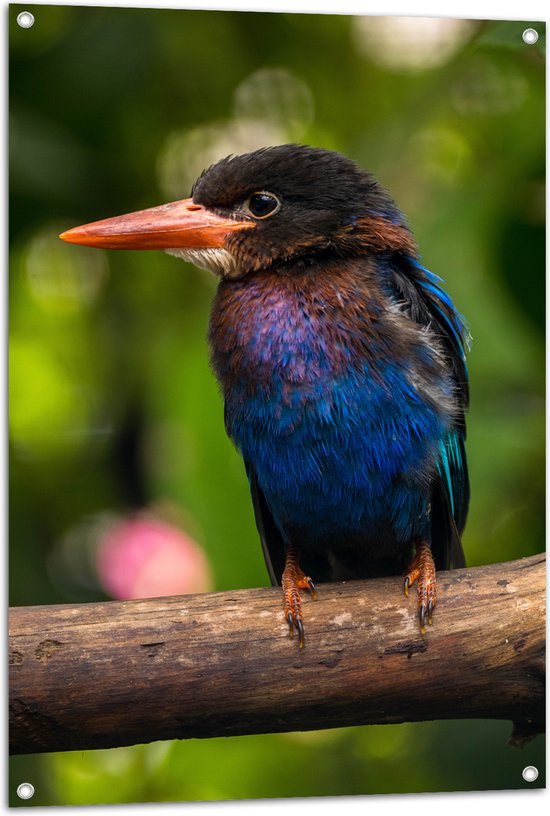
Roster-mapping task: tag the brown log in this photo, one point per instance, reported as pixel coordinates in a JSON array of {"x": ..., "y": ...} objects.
[{"x": 220, "y": 664}]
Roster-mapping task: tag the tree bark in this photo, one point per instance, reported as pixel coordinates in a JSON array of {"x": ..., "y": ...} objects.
[{"x": 220, "y": 664}]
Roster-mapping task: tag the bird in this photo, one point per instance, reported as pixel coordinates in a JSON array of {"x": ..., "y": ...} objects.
[{"x": 342, "y": 363}]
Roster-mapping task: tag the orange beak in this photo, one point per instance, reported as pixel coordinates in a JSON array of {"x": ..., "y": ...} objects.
[{"x": 180, "y": 224}]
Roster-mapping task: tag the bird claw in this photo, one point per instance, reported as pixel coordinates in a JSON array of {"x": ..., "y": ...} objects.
[
  {"x": 290, "y": 619},
  {"x": 294, "y": 579},
  {"x": 422, "y": 617},
  {"x": 431, "y": 606},
  {"x": 295, "y": 624},
  {"x": 300, "y": 628},
  {"x": 422, "y": 570},
  {"x": 311, "y": 587},
  {"x": 426, "y": 613}
]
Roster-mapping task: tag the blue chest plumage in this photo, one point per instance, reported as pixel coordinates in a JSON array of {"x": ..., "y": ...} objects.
[{"x": 337, "y": 400}]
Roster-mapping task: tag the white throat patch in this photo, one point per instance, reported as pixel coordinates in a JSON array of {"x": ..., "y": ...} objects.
[{"x": 219, "y": 261}]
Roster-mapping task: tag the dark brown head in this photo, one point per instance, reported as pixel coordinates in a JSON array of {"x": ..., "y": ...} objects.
[{"x": 265, "y": 209}]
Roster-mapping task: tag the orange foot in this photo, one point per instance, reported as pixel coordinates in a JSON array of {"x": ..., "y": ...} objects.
[
  {"x": 294, "y": 579},
  {"x": 423, "y": 569}
]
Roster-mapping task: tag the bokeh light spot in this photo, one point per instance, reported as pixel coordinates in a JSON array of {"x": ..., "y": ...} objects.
[
  {"x": 275, "y": 95},
  {"x": 441, "y": 153},
  {"x": 63, "y": 278},
  {"x": 486, "y": 87},
  {"x": 410, "y": 43},
  {"x": 187, "y": 153},
  {"x": 144, "y": 557}
]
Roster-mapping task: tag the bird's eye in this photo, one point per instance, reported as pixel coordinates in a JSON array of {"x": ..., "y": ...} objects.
[{"x": 261, "y": 205}]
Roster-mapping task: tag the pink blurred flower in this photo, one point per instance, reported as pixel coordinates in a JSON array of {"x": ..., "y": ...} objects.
[{"x": 144, "y": 557}]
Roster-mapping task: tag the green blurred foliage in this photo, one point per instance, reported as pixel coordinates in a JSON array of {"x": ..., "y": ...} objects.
[{"x": 112, "y": 403}]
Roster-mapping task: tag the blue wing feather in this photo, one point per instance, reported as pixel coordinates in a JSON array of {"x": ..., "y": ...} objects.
[{"x": 420, "y": 293}]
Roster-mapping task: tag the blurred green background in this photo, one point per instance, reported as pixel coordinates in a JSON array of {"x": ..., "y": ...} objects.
[{"x": 113, "y": 408}]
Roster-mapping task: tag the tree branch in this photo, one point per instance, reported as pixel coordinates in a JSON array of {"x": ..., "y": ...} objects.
[{"x": 118, "y": 673}]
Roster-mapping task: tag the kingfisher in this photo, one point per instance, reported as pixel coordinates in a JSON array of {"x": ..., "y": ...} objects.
[{"x": 342, "y": 362}]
